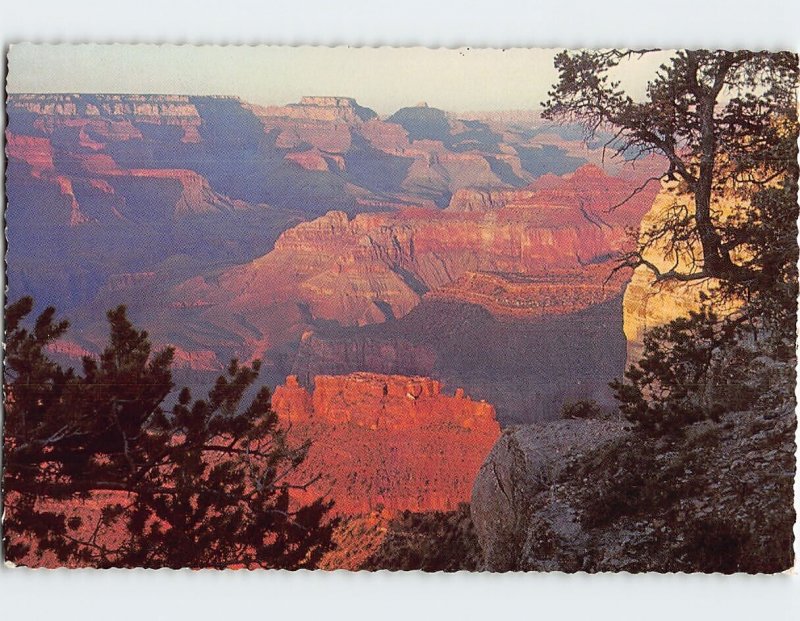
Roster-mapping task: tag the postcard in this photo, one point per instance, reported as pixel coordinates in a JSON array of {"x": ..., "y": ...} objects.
[{"x": 400, "y": 308}]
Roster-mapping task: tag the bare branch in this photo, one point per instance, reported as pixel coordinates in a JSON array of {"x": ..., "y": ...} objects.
[{"x": 635, "y": 191}]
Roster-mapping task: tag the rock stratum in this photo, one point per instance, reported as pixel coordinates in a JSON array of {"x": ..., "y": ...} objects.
[
  {"x": 648, "y": 303},
  {"x": 387, "y": 442},
  {"x": 377, "y": 267}
]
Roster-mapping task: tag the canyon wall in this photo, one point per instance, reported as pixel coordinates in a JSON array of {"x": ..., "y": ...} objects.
[
  {"x": 143, "y": 178},
  {"x": 546, "y": 250},
  {"x": 108, "y": 116},
  {"x": 649, "y": 303},
  {"x": 387, "y": 442},
  {"x": 603, "y": 196}
]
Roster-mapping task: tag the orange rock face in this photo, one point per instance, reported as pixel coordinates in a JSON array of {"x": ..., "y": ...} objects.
[
  {"x": 589, "y": 191},
  {"x": 649, "y": 304},
  {"x": 387, "y": 441},
  {"x": 558, "y": 292}
]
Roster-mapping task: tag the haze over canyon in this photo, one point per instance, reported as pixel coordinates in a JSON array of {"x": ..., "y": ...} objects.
[{"x": 421, "y": 279}]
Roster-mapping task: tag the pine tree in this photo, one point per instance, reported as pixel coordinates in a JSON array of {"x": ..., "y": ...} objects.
[
  {"x": 726, "y": 125},
  {"x": 666, "y": 389},
  {"x": 98, "y": 472},
  {"x": 720, "y": 120}
]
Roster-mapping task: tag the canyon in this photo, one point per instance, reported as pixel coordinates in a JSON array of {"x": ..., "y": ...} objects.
[
  {"x": 184, "y": 185},
  {"x": 383, "y": 269},
  {"x": 360, "y": 232},
  {"x": 340, "y": 294}
]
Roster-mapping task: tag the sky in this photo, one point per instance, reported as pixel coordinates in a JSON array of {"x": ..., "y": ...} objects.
[{"x": 382, "y": 78}]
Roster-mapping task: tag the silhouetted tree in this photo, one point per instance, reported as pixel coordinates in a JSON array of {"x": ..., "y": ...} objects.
[
  {"x": 725, "y": 122},
  {"x": 98, "y": 472}
]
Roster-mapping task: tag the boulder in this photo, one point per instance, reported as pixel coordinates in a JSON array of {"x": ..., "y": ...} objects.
[
  {"x": 519, "y": 516},
  {"x": 589, "y": 495}
]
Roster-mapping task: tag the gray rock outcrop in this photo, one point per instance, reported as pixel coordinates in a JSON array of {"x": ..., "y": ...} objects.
[
  {"x": 516, "y": 500},
  {"x": 589, "y": 495}
]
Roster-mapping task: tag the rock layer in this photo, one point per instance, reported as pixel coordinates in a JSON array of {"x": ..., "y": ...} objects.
[
  {"x": 387, "y": 441},
  {"x": 543, "y": 251}
]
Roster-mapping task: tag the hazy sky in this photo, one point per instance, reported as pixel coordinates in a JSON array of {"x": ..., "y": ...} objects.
[{"x": 383, "y": 78}]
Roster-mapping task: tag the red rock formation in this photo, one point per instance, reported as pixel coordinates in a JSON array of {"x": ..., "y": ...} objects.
[
  {"x": 589, "y": 191},
  {"x": 34, "y": 151},
  {"x": 387, "y": 441},
  {"x": 38, "y": 154},
  {"x": 600, "y": 197},
  {"x": 291, "y": 401},
  {"x": 499, "y": 249},
  {"x": 334, "y": 127},
  {"x": 95, "y": 163},
  {"x": 338, "y": 125},
  {"x": 559, "y": 292},
  {"x": 64, "y": 184}
]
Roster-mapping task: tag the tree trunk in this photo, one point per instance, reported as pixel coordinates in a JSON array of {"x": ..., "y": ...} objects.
[{"x": 716, "y": 261}]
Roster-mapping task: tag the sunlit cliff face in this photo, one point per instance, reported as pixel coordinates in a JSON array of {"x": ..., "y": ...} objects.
[
  {"x": 387, "y": 441},
  {"x": 649, "y": 303}
]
